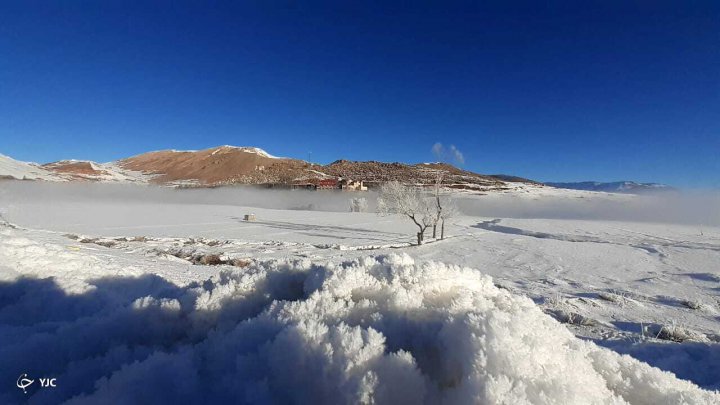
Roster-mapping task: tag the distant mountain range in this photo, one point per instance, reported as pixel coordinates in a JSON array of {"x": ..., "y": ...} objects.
[
  {"x": 225, "y": 165},
  {"x": 628, "y": 187}
]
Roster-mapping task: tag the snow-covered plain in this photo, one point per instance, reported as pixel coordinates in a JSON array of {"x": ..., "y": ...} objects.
[{"x": 139, "y": 294}]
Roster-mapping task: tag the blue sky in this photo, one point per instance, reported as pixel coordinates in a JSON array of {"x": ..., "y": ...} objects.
[{"x": 561, "y": 91}]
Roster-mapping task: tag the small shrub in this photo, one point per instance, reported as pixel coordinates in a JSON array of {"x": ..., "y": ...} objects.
[
  {"x": 106, "y": 243},
  {"x": 358, "y": 204},
  {"x": 673, "y": 332},
  {"x": 211, "y": 260},
  {"x": 242, "y": 263},
  {"x": 692, "y": 304},
  {"x": 613, "y": 296},
  {"x": 572, "y": 318},
  {"x": 561, "y": 310}
]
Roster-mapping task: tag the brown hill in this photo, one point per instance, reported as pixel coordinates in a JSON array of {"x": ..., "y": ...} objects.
[
  {"x": 241, "y": 165},
  {"x": 423, "y": 173},
  {"x": 220, "y": 165},
  {"x": 76, "y": 169}
]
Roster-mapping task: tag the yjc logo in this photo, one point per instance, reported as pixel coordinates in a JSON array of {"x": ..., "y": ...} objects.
[{"x": 23, "y": 382}]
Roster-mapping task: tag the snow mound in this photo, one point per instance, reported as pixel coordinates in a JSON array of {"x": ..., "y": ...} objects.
[{"x": 379, "y": 330}]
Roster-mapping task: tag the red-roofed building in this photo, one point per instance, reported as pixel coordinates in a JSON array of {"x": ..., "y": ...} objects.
[{"x": 327, "y": 184}]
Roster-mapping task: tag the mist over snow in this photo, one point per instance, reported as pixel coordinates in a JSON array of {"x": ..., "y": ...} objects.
[
  {"x": 688, "y": 207},
  {"x": 13, "y": 191},
  {"x": 142, "y": 294}
]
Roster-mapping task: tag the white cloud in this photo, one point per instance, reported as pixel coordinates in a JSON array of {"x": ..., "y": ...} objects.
[
  {"x": 457, "y": 156},
  {"x": 437, "y": 151},
  {"x": 449, "y": 154}
]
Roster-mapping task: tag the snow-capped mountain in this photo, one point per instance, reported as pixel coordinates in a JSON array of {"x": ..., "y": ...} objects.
[
  {"x": 629, "y": 187},
  {"x": 245, "y": 165},
  {"x": 68, "y": 170},
  {"x": 15, "y": 169},
  {"x": 219, "y": 165},
  {"x": 227, "y": 164}
]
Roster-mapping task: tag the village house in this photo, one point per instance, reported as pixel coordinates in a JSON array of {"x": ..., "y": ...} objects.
[
  {"x": 327, "y": 184},
  {"x": 330, "y": 184},
  {"x": 352, "y": 185}
]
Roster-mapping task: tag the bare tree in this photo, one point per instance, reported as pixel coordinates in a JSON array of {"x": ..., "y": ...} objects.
[
  {"x": 450, "y": 210},
  {"x": 445, "y": 207},
  {"x": 396, "y": 198},
  {"x": 438, "y": 202}
]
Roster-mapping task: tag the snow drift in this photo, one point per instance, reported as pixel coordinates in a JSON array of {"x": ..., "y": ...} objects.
[{"x": 375, "y": 330}]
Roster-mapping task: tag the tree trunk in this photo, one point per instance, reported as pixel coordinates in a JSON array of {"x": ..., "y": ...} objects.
[
  {"x": 434, "y": 231},
  {"x": 419, "y": 236},
  {"x": 442, "y": 230}
]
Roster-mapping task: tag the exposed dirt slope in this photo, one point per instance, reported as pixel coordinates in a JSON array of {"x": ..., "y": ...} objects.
[
  {"x": 79, "y": 169},
  {"x": 224, "y": 164}
]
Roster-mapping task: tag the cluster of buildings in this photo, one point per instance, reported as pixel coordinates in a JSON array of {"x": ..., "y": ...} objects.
[{"x": 332, "y": 184}]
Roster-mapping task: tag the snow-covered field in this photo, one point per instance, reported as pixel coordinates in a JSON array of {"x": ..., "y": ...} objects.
[{"x": 137, "y": 294}]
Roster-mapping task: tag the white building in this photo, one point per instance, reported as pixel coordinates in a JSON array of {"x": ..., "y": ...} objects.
[{"x": 351, "y": 185}]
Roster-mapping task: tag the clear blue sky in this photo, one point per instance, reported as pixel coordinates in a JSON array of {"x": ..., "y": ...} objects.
[{"x": 561, "y": 91}]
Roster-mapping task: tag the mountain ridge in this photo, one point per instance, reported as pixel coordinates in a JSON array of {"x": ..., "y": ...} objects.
[
  {"x": 623, "y": 186},
  {"x": 229, "y": 165}
]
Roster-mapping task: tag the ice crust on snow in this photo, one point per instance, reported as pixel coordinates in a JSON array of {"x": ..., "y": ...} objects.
[{"x": 384, "y": 329}]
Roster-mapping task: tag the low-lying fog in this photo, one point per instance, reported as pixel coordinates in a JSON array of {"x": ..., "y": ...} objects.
[
  {"x": 681, "y": 207},
  {"x": 701, "y": 208}
]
